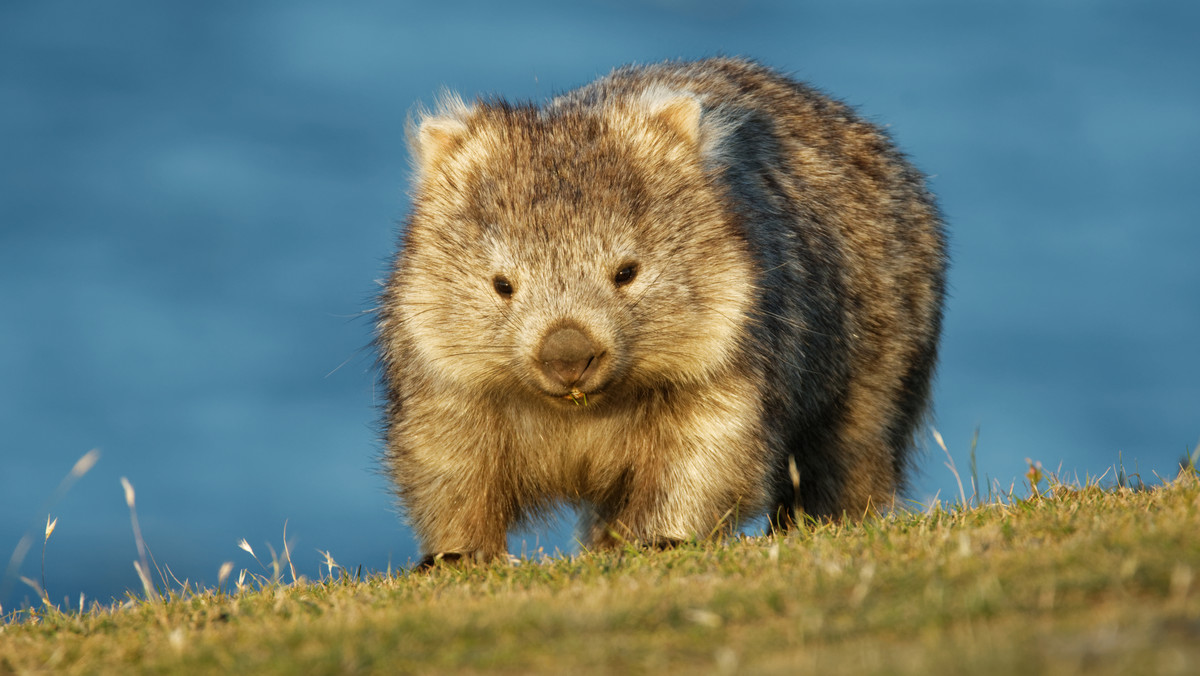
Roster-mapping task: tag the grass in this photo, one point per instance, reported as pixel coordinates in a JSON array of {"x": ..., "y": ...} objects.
[{"x": 1072, "y": 579}]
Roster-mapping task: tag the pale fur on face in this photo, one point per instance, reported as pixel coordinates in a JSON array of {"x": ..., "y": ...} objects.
[{"x": 556, "y": 277}]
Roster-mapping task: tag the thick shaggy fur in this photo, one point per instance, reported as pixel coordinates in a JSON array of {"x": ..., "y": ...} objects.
[{"x": 684, "y": 294}]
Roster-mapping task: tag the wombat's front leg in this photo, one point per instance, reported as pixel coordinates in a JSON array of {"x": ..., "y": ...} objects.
[
  {"x": 458, "y": 513},
  {"x": 661, "y": 506},
  {"x": 691, "y": 470},
  {"x": 645, "y": 518}
]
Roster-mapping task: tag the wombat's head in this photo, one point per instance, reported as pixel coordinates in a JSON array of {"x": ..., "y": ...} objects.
[{"x": 567, "y": 253}]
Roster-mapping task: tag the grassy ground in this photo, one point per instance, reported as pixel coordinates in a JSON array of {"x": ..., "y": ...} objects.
[{"x": 1079, "y": 580}]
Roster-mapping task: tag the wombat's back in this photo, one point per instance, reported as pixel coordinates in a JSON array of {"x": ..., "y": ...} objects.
[{"x": 740, "y": 277}]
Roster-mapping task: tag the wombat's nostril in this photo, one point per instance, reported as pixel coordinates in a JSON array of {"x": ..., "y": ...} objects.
[{"x": 566, "y": 354}]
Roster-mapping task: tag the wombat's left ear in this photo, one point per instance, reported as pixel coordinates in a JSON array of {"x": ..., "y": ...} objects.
[{"x": 679, "y": 111}]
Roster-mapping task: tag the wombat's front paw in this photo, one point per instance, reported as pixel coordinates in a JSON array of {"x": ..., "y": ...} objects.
[
  {"x": 459, "y": 559},
  {"x": 612, "y": 538},
  {"x": 431, "y": 561}
]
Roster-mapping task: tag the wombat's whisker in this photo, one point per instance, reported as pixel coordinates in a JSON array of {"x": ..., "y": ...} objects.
[
  {"x": 777, "y": 267},
  {"x": 474, "y": 353},
  {"x": 645, "y": 291},
  {"x": 356, "y": 315},
  {"x": 416, "y": 315},
  {"x": 339, "y": 366},
  {"x": 799, "y": 326}
]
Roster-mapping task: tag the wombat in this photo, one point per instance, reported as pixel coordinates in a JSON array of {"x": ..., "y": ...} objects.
[{"x": 684, "y": 295}]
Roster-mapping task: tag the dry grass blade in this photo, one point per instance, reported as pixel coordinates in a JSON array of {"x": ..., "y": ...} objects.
[
  {"x": 142, "y": 565},
  {"x": 329, "y": 563},
  {"x": 49, "y": 529},
  {"x": 287, "y": 553},
  {"x": 81, "y": 467},
  {"x": 962, "y": 494},
  {"x": 223, "y": 572},
  {"x": 147, "y": 583}
]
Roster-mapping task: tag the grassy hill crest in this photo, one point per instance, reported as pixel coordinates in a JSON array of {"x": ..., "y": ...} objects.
[{"x": 1072, "y": 579}]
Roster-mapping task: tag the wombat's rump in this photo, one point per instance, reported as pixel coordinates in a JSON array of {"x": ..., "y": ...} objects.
[{"x": 683, "y": 295}]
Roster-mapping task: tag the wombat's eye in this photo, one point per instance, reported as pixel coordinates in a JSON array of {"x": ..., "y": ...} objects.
[
  {"x": 625, "y": 275},
  {"x": 502, "y": 286}
]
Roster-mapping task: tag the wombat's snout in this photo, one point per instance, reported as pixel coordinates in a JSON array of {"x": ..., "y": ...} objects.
[{"x": 569, "y": 358}]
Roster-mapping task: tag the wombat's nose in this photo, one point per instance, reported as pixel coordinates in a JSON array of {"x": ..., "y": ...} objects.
[{"x": 566, "y": 355}]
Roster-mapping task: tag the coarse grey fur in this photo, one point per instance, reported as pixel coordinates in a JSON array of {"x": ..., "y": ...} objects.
[{"x": 686, "y": 294}]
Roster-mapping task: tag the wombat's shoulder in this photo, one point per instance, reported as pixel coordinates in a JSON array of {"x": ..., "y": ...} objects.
[
  {"x": 753, "y": 114},
  {"x": 724, "y": 86},
  {"x": 717, "y": 79}
]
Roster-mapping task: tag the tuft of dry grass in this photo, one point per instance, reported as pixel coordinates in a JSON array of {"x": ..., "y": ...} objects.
[
  {"x": 82, "y": 466},
  {"x": 1074, "y": 578}
]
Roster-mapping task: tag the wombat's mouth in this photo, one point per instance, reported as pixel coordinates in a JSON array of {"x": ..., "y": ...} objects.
[
  {"x": 580, "y": 398},
  {"x": 575, "y": 396}
]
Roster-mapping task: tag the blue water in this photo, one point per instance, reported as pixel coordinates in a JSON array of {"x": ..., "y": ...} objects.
[{"x": 196, "y": 201}]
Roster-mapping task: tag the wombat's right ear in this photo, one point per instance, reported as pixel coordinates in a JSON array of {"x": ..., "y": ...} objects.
[
  {"x": 681, "y": 114},
  {"x": 679, "y": 111},
  {"x": 433, "y": 137}
]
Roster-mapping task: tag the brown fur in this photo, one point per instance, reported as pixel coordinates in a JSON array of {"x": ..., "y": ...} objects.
[{"x": 652, "y": 299}]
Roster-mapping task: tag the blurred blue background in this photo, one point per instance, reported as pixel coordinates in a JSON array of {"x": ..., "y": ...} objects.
[{"x": 196, "y": 201}]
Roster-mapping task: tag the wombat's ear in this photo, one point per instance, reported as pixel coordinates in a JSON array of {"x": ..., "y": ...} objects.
[
  {"x": 433, "y": 137},
  {"x": 436, "y": 137},
  {"x": 679, "y": 111}
]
